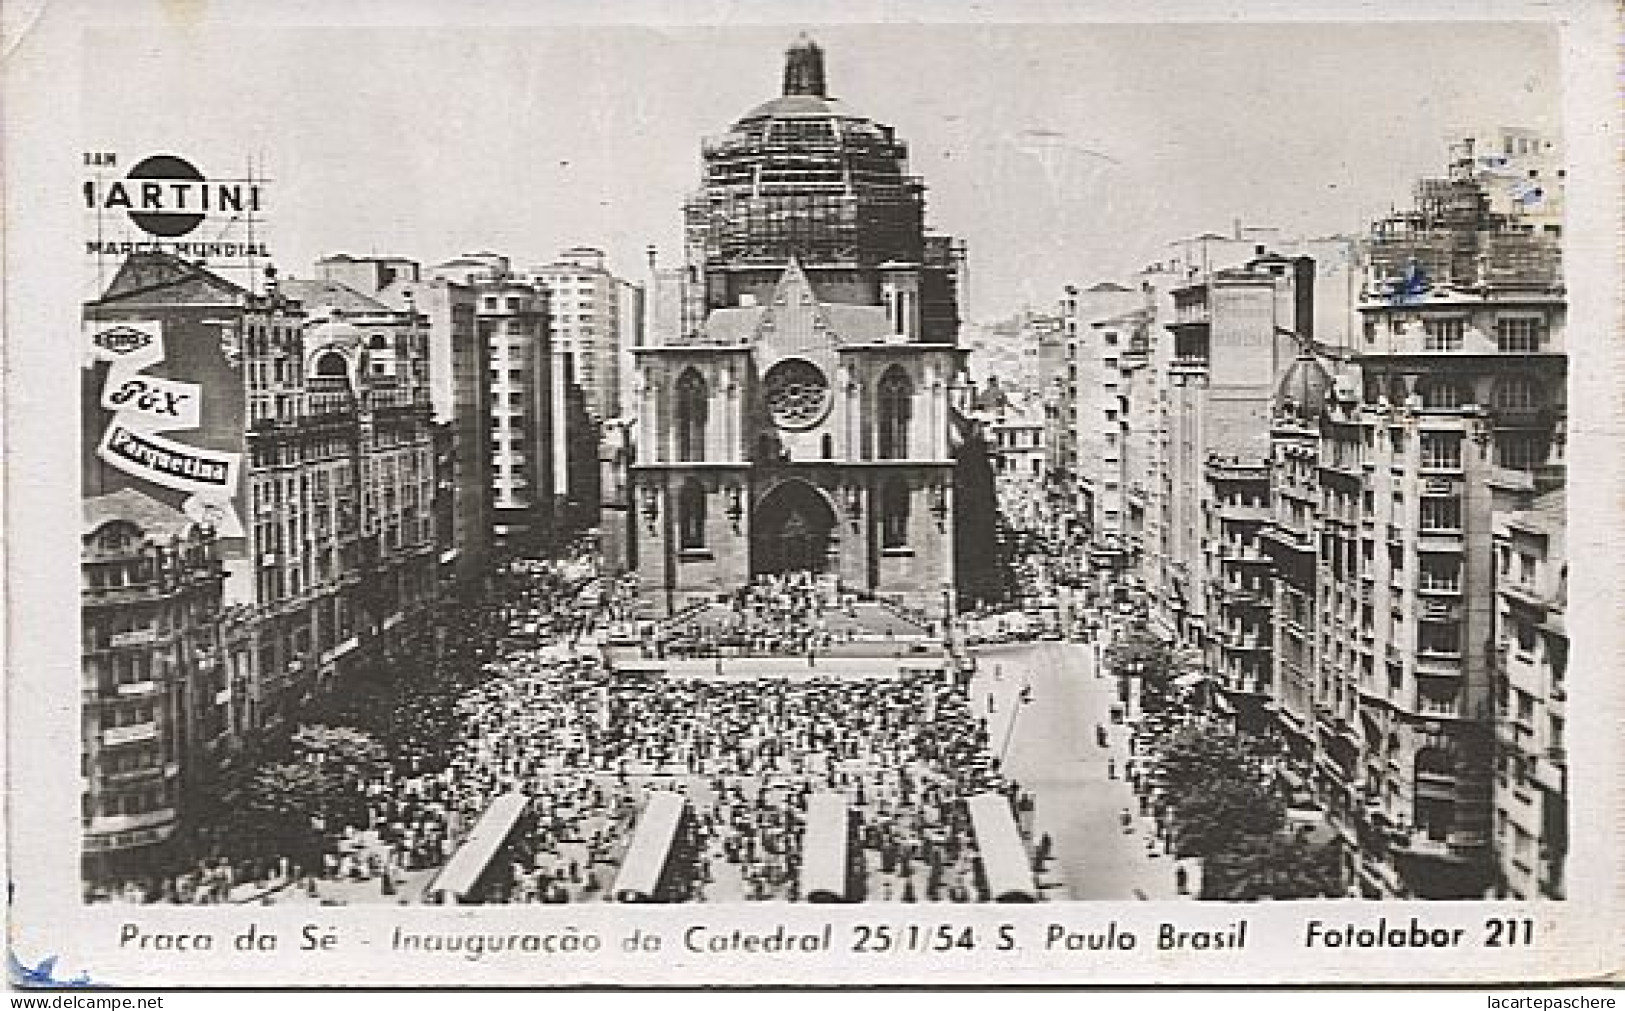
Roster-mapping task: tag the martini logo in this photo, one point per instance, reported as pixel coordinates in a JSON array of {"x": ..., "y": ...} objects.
[{"x": 166, "y": 196}]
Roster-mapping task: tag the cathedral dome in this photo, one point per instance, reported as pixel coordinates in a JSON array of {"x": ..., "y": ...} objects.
[
  {"x": 802, "y": 176},
  {"x": 1303, "y": 389},
  {"x": 804, "y": 114}
]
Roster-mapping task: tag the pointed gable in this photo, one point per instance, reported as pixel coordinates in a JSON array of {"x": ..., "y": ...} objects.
[
  {"x": 795, "y": 325},
  {"x": 166, "y": 279}
]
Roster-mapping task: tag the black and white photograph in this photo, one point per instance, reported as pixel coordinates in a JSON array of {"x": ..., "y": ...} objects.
[{"x": 922, "y": 485}]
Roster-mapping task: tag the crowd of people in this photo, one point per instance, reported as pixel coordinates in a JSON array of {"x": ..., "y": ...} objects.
[
  {"x": 586, "y": 747},
  {"x": 548, "y": 718},
  {"x": 782, "y": 614}
]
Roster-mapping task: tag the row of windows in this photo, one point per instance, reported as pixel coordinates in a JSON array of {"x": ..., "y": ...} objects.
[
  {"x": 895, "y": 396},
  {"x": 1513, "y": 335},
  {"x": 894, "y": 506}
]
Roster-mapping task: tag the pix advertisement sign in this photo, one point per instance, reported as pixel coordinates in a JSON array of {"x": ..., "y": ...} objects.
[{"x": 207, "y": 473}]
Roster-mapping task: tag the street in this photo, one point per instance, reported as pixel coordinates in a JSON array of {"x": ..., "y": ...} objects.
[{"x": 1053, "y": 753}]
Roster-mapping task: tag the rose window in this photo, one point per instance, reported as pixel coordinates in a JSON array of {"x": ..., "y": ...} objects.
[{"x": 797, "y": 393}]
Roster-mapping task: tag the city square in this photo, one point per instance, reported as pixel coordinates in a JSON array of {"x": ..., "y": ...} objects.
[{"x": 783, "y": 570}]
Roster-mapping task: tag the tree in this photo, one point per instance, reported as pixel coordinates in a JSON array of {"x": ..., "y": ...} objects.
[
  {"x": 1273, "y": 867},
  {"x": 1197, "y": 756},
  {"x": 1141, "y": 654},
  {"x": 341, "y": 751},
  {"x": 268, "y": 810},
  {"x": 1222, "y": 814},
  {"x": 342, "y": 758}
]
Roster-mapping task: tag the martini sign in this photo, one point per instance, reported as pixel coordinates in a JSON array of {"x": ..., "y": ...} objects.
[{"x": 164, "y": 203}]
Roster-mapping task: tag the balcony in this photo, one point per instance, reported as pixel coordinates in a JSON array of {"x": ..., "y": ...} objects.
[
  {"x": 1239, "y": 595},
  {"x": 1243, "y": 643},
  {"x": 135, "y": 733},
  {"x": 1435, "y": 609},
  {"x": 1439, "y": 664},
  {"x": 1527, "y": 596},
  {"x": 1435, "y": 709},
  {"x": 1442, "y": 541},
  {"x": 1243, "y": 554},
  {"x": 134, "y": 638},
  {"x": 1439, "y": 589},
  {"x": 1288, "y": 538}
]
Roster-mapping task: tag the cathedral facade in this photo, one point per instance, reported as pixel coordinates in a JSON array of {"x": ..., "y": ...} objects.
[{"x": 805, "y": 414}]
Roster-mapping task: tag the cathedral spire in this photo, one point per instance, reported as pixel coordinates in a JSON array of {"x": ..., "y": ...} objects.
[{"x": 804, "y": 68}]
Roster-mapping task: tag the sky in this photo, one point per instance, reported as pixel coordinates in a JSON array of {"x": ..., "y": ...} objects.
[{"x": 1059, "y": 153}]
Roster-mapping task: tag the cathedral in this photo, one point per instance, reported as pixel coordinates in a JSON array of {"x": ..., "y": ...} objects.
[{"x": 804, "y": 414}]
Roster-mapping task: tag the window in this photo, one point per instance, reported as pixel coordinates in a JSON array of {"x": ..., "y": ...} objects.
[
  {"x": 1443, "y": 334},
  {"x": 1440, "y": 573},
  {"x": 896, "y": 408},
  {"x": 1433, "y": 637},
  {"x": 797, "y": 393},
  {"x": 1441, "y": 451},
  {"x": 1514, "y": 336},
  {"x": 1441, "y": 514},
  {"x": 691, "y": 516},
  {"x": 1517, "y": 393},
  {"x": 1525, "y": 634},
  {"x": 1520, "y": 450},
  {"x": 692, "y": 408},
  {"x": 894, "y": 507},
  {"x": 1441, "y": 395}
]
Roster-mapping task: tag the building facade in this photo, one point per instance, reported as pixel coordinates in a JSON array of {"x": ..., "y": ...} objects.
[
  {"x": 155, "y": 694},
  {"x": 1399, "y": 470},
  {"x": 311, "y": 459},
  {"x": 459, "y": 394},
  {"x": 809, "y": 424},
  {"x": 595, "y": 317},
  {"x": 1531, "y": 701}
]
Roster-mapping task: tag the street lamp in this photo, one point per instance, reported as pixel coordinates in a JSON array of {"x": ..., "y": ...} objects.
[{"x": 1023, "y": 699}]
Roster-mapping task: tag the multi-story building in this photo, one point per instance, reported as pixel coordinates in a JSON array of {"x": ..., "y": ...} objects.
[
  {"x": 1291, "y": 538},
  {"x": 1058, "y": 386},
  {"x": 527, "y": 437},
  {"x": 154, "y": 691},
  {"x": 595, "y": 318},
  {"x": 1235, "y": 331},
  {"x": 310, "y": 456},
  {"x": 1443, "y": 427},
  {"x": 1114, "y": 347},
  {"x": 1531, "y": 695},
  {"x": 459, "y": 393},
  {"x": 1016, "y": 435}
]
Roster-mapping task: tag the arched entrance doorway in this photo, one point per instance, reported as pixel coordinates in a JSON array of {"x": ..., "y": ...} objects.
[{"x": 792, "y": 530}]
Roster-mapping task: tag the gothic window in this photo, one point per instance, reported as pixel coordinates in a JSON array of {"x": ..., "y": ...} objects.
[
  {"x": 691, "y": 516},
  {"x": 797, "y": 393},
  {"x": 896, "y": 409},
  {"x": 692, "y": 408},
  {"x": 894, "y": 504}
]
